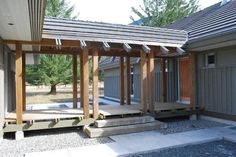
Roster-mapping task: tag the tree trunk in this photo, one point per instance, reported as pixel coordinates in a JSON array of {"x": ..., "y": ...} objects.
[{"x": 53, "y": 90}]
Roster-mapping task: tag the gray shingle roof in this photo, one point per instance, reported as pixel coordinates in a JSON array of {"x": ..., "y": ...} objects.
[
  {"x": 213, "y": 20},
  {"x": 96, "y": 31}
]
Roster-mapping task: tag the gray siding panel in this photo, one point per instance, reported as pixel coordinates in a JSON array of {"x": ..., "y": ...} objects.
[
  {"x": 137, "y": 87},
  {"x": 216, "y": 89},
  {"x": 112, "y": 86},
  {"x": 171, "y": 94}
]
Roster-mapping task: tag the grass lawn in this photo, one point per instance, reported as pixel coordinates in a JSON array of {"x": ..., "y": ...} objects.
[{"x": 37, "y": 95}]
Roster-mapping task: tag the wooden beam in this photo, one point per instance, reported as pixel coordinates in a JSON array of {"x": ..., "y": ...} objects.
[
  {"x": 128, "y": 80},
  {"x": 58, "y": 43},
  {"x": 95, "y": 85},
  {"x": 112, "y": 52},
  {"x": 151, "y": 81},
  {"x": 163, "y": 78},
  {"x": 146, "y": 49},
  {"x": 19, "y": 93},
  {"x": 180, "y": 50},
  {"x": 106, "y": 46},
  {"x": 75, "y": 97},
  {"x": 164, "y": 50},
  {"x": 42, "y": 125},
  {"x": 83, "y": 44},
  {"x": 192, "y": 62},
  {"x": 45, "y": 42},
  {"x": 122, "y": 83},
  {"x": 143, "y": 81},
  {"x": 81, "y": 81},
  {"x": 126, "y": 47},
  {"x": 23, "y": 82},
  {"x": 85, "y": 78}
]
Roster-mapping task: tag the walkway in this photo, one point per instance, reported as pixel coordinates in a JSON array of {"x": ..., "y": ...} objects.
[{"x": 145, "y": 141}]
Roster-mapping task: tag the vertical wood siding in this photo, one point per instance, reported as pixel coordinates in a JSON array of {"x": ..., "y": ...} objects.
[
  {"x": 216, "y": 89},
  {"x": 112, "y": 86}
]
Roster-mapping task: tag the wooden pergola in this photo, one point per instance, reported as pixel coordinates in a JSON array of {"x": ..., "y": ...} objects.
[{"x": 84, "y": 39}]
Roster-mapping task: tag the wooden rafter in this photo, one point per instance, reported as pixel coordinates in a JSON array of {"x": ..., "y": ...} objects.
[
  {"x": 180, "y": 50},
  {"x": 164, "y": 50},
  {"x": 83, "y": 44},
  {"x": 126, "y": 47},
  {"x": 146, "y": 49},
  {"x": 106, "y": 46}
]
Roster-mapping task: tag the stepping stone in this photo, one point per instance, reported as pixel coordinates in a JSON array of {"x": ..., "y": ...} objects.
[
  {"x": 123, "y": 121},
  {"x": 116, "y": 130}
]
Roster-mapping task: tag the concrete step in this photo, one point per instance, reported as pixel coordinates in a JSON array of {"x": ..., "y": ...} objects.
[
  {"x": 99, "y": 132},
  {"x": 123, "y": 121}
]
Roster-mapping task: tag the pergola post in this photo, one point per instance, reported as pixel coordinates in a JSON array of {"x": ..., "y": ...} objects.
[
  {"x": 151, "y": 80},
  {"x": 74, "y": 60},
  {"x": 143, "y": 81},
  {"x": 128, "y": 92},
  {"x": 163, "y": 78},
  {"x": 85, "y": 83},
  {"x": 23, "y": 82},
  {"x": 95, "y": 84},
  {"x": 19, "y": 83},
  {"x": 122, "y": 82},
  {"x": 81, "y": 81},
  {"x": 192, "y": 62}
]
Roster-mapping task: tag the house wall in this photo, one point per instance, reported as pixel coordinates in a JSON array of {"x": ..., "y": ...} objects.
[
  {"x": 216, "y": 87},
  {"x": 112, "y": 82},
  {"x": 7, "y": 82}
]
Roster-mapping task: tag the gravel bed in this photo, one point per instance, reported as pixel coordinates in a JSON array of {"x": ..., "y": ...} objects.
[
  {"x": 44, "y": 140},
  {"x": 211, "y": 149},
  {"x": 189, "y": 125}
]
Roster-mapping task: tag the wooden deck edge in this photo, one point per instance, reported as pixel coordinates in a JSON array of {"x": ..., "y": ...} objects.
[
  {"x": 179, "y": 113},
  {"x": 47, "y": 125}
]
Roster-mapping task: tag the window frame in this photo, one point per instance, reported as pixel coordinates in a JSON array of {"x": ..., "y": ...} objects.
[{"x": 211, "y": 65}]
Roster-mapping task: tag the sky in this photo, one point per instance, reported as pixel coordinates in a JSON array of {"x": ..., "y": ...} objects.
[{"x": 114, "y": 11}]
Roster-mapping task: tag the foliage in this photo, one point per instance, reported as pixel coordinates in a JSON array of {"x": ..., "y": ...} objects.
[
  {"x": 159, "y": 13},
  {"x": 55, "y": 69},
  {"x": 60, "y": 9}
]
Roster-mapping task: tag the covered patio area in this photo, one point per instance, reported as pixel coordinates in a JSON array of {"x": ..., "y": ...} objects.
[{"x": 92, "y": 40}]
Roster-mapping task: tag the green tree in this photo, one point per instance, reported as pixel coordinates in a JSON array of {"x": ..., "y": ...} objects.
[
  {"x": 60, "y": 9},
  {"x": 53, "y": 69},
  {"x": 159, "y": 13}
]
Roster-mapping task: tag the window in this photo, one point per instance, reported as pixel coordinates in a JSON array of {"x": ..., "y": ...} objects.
[{"x": 210, "y": 60}]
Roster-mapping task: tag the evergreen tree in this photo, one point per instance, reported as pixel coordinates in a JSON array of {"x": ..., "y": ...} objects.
[
  {"x": 53, "y": 69},
  {"x": 159, "y": 13}
]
